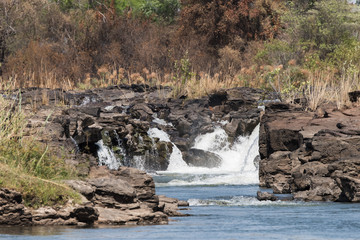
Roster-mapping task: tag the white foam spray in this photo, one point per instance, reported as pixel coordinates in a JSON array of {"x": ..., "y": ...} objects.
[
  {"x": 107, "y": 156},
  {"x": 176, "y": 161},
  {"x": 237, "y": 165}
]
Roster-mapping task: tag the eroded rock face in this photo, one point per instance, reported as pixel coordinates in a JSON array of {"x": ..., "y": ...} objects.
[
  {"x": 121, "y": 117},
  {"x": 12, "y": 211},
  {"x": 309, "y": 155},
  {"x": 125, "y": 196}
]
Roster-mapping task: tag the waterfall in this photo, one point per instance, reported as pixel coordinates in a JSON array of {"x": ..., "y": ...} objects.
[
  {"x": 236, "y": 158},
  {"x": 107, "y": 156},
  {"x": 237, "y": 161},
  {"x": 77, "y": 148},
  {"x": 176, "y": 161},
  {"x": 139, "y": 162}
]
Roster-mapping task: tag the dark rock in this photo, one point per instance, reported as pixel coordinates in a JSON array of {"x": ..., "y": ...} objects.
[
  {"x": 266, "y": 196},
  {"x": 354, "y": 96},
  {"x": 183, "y": 127},
  {"x": 12, "y": 211},
  {"x": 218, "y": 98},
  {"x": 201, "y": 158},
  {"x": 277, "y": 106},
  {"x": 321, "y": 166},
  {"x": 86, "y": 214}
]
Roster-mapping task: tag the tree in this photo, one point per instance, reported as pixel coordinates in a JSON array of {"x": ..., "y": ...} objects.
[{"x": 218, "y": 22}]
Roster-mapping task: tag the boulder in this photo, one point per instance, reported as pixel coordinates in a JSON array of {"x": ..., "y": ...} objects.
[
  {"x": 310, "y": 157},
  {"x": 266, "y": 196},
  {"x": 201, "y": 158},
  {"x": 117, "y": 189}
]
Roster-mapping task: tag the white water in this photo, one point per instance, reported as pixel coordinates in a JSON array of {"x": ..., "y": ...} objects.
[
  {"x": 176, "y": 160},
  {"x": 243, "y": 201},
  {"x": 139, "y": 162},
  {"x": 237, "y": 165},
  {"x": 161, "y": 122},
  {"x": 77, "y": 148},
  {"x": 107, "y": 156}
]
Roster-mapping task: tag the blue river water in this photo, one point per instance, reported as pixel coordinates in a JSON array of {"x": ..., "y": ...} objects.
[
  {"x": 222, "y": 212},
  {"x": 222, "y": 204}
]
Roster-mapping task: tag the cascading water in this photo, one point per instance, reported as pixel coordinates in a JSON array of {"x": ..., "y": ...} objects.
[
  {"x": 237, "y": 161},
  {"x": 176, "y": 161},
  {"x": 107, "y": 156},
  {"x": 77, "y": 148}
]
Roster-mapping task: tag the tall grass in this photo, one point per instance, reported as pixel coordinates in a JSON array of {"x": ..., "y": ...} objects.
[{"x": 28, "y": 166}]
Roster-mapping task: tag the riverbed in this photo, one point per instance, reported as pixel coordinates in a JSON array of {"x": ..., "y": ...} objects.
[
  {"x": 222, "y": 212},
  {"x": 223, "y": 204}
]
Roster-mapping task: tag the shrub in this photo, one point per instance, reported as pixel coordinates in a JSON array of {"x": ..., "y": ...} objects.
[
  {"x": 321, "y": 28},
  {"x": 163, "y": 11}
]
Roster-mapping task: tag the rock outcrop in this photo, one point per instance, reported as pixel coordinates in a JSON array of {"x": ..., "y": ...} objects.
[
  {"x": 121, "y": 116},
  {"x": 309, "y": 155},
  {"x": 117, "y": 119},
  {"x": 118, "y": 197},
  {"x": 12, "y": 211}
]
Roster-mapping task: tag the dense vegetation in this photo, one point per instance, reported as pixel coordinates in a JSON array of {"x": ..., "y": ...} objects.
[
  {"x": 26, "y": 165},
  {"x": 192, "y": 45}
]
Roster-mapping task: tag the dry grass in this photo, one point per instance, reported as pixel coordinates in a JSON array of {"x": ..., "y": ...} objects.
[
  {"x": 317, "y": 90},
  {"x": 348, "y": 82},
  {"x": 28, "y": 166},
  {"x": 317, "y": 86}
]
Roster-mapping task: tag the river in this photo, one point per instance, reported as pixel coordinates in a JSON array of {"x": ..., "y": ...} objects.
[{"x": 222, "y": 204}]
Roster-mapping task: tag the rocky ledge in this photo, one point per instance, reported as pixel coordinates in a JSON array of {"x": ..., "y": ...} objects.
[
  {"x": 118, "y": 120},
  {"x": 122, "y": 197},
  {"x": 312, "y": 155}
]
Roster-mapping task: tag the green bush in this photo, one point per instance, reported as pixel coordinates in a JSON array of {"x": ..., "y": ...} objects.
[
  {"x": 161, "y": 10},
  {"x": 321, "y": 28},
  {"x": 275, "y": 52}
]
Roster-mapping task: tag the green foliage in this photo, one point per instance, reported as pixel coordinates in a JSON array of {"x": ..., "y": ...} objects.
[
  {"x": 345, "y": 55},
  {"x": 122, "y": 5},
  {"x": 183, "y": 74},
  {"x": 275, "y": 52},
  {"x": 26, "y": 165},
  {"x": 321, "y": 28},
  {"x": 161, "y": 10},
  {"x": 183, "y": 69}
]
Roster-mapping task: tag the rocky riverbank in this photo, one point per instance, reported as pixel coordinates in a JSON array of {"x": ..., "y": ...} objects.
[
  {"x": 123, "y": 197},
  {"x": 105, "y": 133},
  {"x": 312, "y": 155}
]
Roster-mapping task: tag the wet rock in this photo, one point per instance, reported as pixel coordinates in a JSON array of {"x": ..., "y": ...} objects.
[
  {"x": 183, "y": 127},
  {"x": 141, "y": 111},
  {"x": 171, "y": 206},
  {"x": 266, "y": 196},
  {"x": 201, "y": 158}
]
